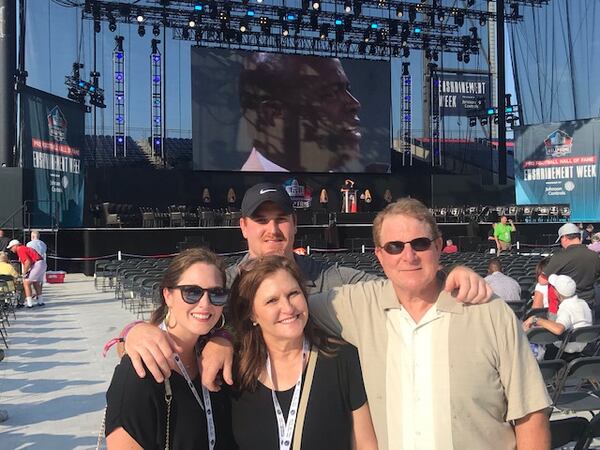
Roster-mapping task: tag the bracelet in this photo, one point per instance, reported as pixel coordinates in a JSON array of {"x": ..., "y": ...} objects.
[
  {"x": 110, "y": 343},
  {"x": 120, "y": 338}
]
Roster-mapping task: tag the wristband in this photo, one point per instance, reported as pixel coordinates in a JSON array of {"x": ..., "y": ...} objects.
[
  {"x": 121, "y": 337},
  {"x": 110, "y": 343}
]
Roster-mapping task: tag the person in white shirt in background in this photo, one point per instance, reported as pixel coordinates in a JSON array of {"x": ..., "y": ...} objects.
[
  {"x": 37, "y": 244},
  {"x": 573, "y": 313}
]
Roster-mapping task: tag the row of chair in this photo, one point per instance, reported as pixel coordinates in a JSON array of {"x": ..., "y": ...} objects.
[{"x": 9, "y": 296}]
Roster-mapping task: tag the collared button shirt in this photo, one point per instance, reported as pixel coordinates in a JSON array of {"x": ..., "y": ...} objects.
[
  {"x": 504, "y": 286},
  {"x": 409, "y": 378},
  {"x": 482, "y": 372}
]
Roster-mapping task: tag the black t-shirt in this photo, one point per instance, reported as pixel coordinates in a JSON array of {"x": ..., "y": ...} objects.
[
  {"x": 336, "y": 391},
  {"x": 138, "y": 405},
  {"x": 581, "y": 264}
]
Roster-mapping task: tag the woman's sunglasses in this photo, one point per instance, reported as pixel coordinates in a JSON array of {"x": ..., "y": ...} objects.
[
  {"x": 418, "y": 245},
  {"x": 192, "y": 294}
]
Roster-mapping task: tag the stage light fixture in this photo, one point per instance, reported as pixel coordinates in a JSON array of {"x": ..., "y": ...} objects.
[
  {"x": 474, "y": 34},
  {"x": 348, "y": 6},
  {"x": 393, "y": 26},
  {"x": 141, "y": 30},
  {"x": 472, "y": 121},
  {"x": 357, "y": 7},
  {"x": 214, "y": 10},
  {"x": 418, "y": 30},
  {"x": 441, "y": 15},
  {"x": 490, "y": 111},
  {"x": 467, "y": 58},
  {"x": 198, "y": 6},
  {"x": 338, "y": 22},
  {"x": 191, "y": 23},
  {"x": 259, "y": 1},
  {"x": 514, "y": 10},
  {"x": 156, "y": 30},
  {"x": 265, "y": 25},
  {"x": 470, "y": 3},
  {"x": 324, "y": 31},
  {"x": 314, "y": 20},
  {"x": 139, "y": 17},
  {"x": 112, "y": 26},
  {"x": 244, "y": 25},
  {"x": 339, "y": 35},
  {"x": 459, "y": 19},
  {"x": 347, "y": 24},
  {"x": 405, "y": 52},
  {"x": 316, "y": 5},
  {"x": 399, "y": 11},
  {"x": 428, "y": 54},
  {"x": 185, "y": 33},
  {"x": 367, "y": 35},
  {"x": 250, "y": 13},
  {"x": 483, "y": 121},
  {"x": 362, "y": 48},
  {"x": 395, "y": 51},
  {"x": 285, "y": 29},
  {"x": 435, "y": 55},
  {"x": 412, "y": 13},
  {"x": 459, "y": 56},
  {"x": 405, "y": 71},
  {"x": 482, "y": 20}
]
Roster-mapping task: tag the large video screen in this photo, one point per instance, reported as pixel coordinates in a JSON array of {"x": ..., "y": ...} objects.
[{"x": 269, "y": 112}]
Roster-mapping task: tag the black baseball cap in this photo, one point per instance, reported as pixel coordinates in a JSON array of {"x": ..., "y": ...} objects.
[{"x": 266, "y": 192}]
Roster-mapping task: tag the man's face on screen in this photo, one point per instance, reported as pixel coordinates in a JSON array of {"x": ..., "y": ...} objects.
[
  {"x": 328, "y": 111},
  {"x": 308, "y": 118}
]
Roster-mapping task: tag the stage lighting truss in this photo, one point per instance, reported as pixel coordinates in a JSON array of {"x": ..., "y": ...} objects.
[
  {"x": 406, "y": 122},
  {"x": 156, "y": 69},
  {"x": 119, "y": 105},
  {"x": 488, "y": 115},
  {"x": 78, "y": 89},
  {"x": 297, "y": 26},
  {"x": 435, "y": 116}
]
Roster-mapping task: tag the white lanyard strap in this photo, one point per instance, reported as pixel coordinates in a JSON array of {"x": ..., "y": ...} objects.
[
  {"x": 286, "y": 428},
  {"x": 206, "y": 407}
]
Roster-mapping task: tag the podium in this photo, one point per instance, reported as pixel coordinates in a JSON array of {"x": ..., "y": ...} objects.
[{"x": 349, "y": 200}]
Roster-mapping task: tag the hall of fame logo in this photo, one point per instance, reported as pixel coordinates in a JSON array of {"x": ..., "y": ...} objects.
[
  {"x": 558, "y": 143},
  {"x": 57, "y": 124},
  {"x": 301, "y": 195}
]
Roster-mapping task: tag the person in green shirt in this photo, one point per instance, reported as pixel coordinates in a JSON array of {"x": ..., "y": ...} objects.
[{"x": 502, "y": 232}]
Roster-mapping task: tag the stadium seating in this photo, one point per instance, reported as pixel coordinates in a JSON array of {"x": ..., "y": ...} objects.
[{"x": 103, "y": 153}]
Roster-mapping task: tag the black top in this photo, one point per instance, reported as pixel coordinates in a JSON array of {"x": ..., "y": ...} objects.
[
  {"x": 580, "y": 263},
  {"x": 138, "y": 405},
  {"x": 337, "y": 390}
]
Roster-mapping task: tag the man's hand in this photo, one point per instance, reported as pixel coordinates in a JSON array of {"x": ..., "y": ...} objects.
[
  {"x": 150, "y": 344},
  {"x": 467, "y": 287},
  {"x": 528, "y": 324},
  {"x": 216, "y": 355}
]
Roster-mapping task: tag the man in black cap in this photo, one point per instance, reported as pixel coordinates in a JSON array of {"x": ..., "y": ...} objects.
[{"x": 269, "y": 225}]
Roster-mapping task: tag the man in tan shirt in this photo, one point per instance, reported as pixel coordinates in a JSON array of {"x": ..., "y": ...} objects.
[{"x": 438, "y": 374}]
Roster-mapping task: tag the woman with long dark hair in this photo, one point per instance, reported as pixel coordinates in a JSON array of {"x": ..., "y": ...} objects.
[
  {"x": 181, "y": 413},
  {"x": 296, "y": 388}
]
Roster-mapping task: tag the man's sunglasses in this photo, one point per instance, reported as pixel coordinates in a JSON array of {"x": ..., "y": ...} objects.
[
  {"x": 192, "y": 294},
  {"x": 418, "y": 245}
]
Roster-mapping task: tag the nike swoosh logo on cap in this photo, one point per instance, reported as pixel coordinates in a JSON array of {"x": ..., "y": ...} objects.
[{"x": 264, "y": 191}]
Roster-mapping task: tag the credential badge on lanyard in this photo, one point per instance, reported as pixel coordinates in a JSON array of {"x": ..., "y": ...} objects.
[{"x": 207, "y": 406}]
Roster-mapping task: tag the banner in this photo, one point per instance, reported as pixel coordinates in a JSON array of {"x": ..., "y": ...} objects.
[
  {"x": 458, "y": 93},
  {"x": 558, "y": 163},
  {"x": 52, "y": 136}
]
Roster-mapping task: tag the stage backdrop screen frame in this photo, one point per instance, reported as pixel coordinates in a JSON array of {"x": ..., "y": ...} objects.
[{"x": 271, "y": 112}]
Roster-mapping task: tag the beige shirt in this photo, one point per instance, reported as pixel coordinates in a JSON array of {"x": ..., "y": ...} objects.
[{"x": 481, "y": 362}]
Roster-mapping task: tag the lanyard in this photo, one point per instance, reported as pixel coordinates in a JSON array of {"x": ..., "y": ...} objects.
[
  {"x": 207, "y": 406},
  {"x": 286, "y": 429}
]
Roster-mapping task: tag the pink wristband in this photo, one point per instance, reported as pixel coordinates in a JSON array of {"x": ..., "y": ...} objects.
[{"x": 121, "y": 337}]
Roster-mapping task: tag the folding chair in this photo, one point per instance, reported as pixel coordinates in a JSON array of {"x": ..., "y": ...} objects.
[
  {"x": 581, "y": 335},
  {"x": 579, "y": 388},
  {"x": 541, "y": 336},
  {"x": 592, "y": 431},
  {"x": 552, "y": 371},
  {"x": 567, "y": 430}
]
